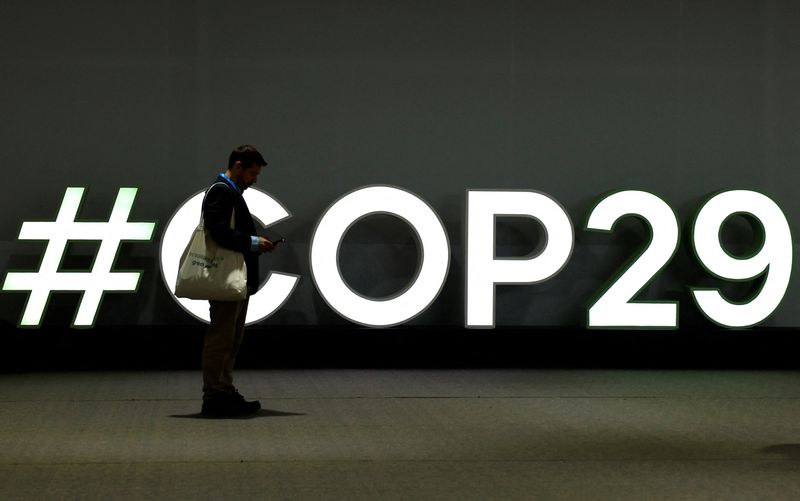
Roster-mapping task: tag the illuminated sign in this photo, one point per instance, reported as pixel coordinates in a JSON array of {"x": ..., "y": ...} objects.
[
  {"x": 93, "y": 283},
  {"x": 485, "y": 270},
  {"x": 774, "y": 259},
  {"x": 431, "y": 272},
  {"x": 616, "y": 306}
]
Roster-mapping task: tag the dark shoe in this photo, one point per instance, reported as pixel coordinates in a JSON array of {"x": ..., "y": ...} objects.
[
  {"x": 246, "y": 407},
  {"x": 218, "y": 405},
  {"x": 228, "y": 405}
]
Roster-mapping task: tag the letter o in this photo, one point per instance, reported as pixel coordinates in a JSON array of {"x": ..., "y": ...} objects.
[{"x": 432, "y": 269}]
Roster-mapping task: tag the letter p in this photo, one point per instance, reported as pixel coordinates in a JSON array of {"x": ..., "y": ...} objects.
[{"x": 485, "y": 270}]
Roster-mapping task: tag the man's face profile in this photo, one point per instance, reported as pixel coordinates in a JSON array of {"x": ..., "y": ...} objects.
[{"x": 246, "y": 177}]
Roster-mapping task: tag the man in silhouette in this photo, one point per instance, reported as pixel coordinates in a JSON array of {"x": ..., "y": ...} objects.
[{"x": 224, "y": 335}]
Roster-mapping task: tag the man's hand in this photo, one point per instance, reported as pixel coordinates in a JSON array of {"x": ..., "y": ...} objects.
[{"x": 265, "y": 245}]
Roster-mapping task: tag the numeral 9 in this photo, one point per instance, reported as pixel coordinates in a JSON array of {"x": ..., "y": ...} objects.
[{"x": 774, "y": 258}]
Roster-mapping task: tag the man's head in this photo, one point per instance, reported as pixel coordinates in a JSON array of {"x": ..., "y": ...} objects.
[{"x": 244, "y": 166}]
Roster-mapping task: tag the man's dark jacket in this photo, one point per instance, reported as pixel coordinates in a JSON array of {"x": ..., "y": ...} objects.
[{"x": 220, "y": 200}]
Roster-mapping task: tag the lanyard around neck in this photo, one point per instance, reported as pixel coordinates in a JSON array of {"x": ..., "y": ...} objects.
[{"x": 230, "y": 181}]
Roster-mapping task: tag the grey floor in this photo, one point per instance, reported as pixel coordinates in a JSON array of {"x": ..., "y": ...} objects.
[{"x": 409, "y": 434}]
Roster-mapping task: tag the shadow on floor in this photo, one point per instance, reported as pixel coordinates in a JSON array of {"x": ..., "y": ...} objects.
[
  {"x": 260, "y": 414},
  {"x": 789, "y": 451}
]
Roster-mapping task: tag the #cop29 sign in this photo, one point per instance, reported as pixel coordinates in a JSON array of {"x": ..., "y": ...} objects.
[{"x": 615, "y": 308}]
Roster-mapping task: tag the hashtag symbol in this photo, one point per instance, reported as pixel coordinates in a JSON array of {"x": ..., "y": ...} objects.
[{"x": 94, "y": 283}]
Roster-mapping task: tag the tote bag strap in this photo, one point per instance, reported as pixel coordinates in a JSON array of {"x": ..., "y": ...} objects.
[{"x": 233, "y": 213}]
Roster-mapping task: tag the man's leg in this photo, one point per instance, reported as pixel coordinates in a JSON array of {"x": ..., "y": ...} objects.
[
  {"x": 227, "y": 373},
  {"x": 218, "y": 345}
]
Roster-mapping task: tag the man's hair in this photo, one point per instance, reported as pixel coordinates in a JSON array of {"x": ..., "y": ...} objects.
[{"x": 248, "y": 155}]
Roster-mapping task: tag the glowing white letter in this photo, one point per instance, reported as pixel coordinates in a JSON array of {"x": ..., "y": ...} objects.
[
  {"x": 774, "y": 258},
  {"x": 484, "y": 271},
  {"x": 433, "y": 267},
  {"x": 616, "y": 308}
]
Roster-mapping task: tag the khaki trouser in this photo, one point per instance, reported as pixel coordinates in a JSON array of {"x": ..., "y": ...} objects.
[{"x": 221, "y": 344}]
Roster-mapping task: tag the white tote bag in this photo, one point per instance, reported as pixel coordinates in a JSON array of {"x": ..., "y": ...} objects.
[{"x": 209, "y": 271}]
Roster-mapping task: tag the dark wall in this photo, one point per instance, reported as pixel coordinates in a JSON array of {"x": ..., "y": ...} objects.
[{"x": 573, "y": 98}]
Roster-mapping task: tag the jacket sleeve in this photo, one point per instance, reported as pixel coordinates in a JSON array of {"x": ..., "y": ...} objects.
[{"x": 217, "y": 210}]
